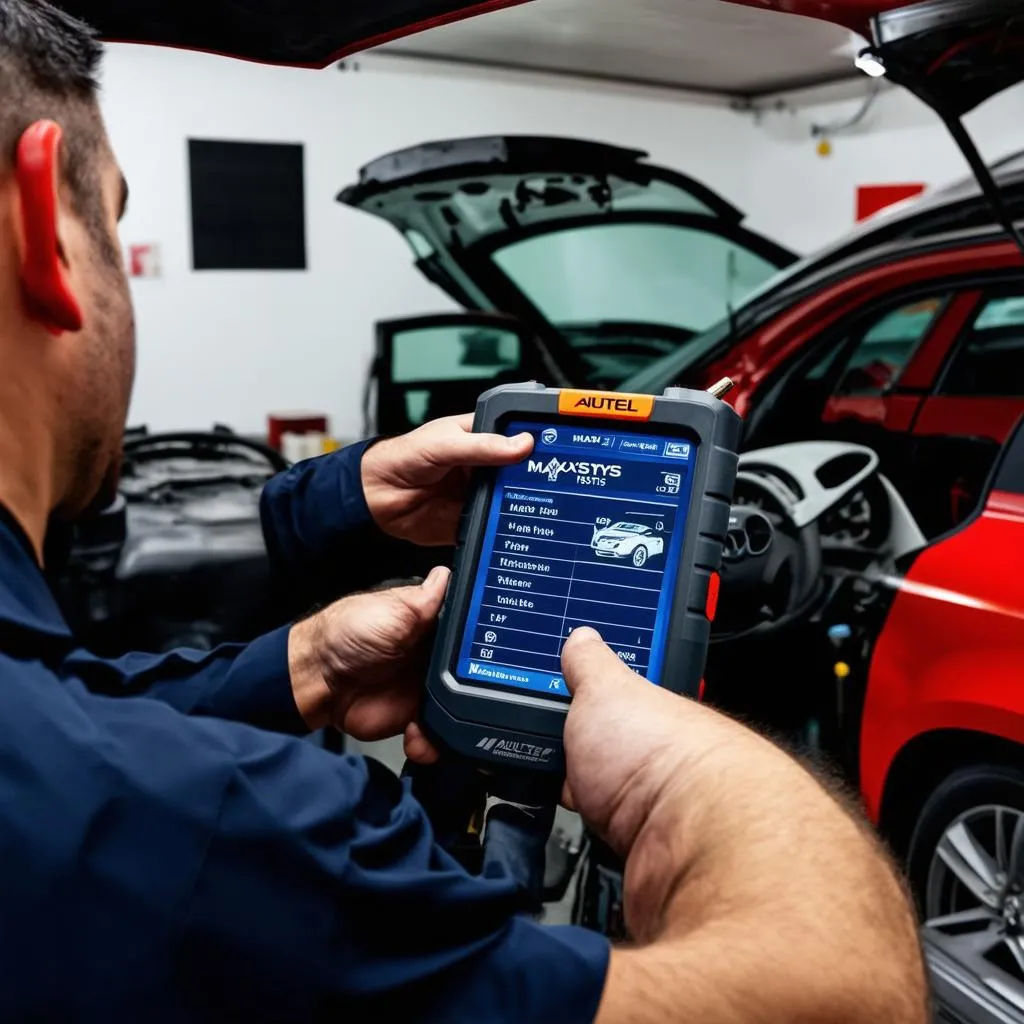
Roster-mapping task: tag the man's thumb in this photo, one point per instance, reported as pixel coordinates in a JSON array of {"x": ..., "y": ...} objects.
[
  {"x": 588, "y": 661},
  {"x": 425, "y": 600}
]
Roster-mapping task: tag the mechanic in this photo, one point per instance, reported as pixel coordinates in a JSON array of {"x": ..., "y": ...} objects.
[{"x": 171, "y": 853}]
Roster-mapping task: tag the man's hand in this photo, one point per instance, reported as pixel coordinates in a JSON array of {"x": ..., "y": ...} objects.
[
  {"x": 752, "y": 894},
  {"x": 359, "y": 664},
  {"x": 416, "y": 485},
  {"x": 627, "y": 744}
]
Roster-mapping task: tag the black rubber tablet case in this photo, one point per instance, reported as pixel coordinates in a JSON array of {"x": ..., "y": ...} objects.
[{"x": 523, "y": 732}]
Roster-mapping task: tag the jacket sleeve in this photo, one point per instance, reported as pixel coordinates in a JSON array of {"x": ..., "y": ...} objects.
[
  {"x": 172, "y": 868},
  {"x": 321, "y": 538},
  {"x": 322, "y": 543},
  {"x": 249, "y": 684}
]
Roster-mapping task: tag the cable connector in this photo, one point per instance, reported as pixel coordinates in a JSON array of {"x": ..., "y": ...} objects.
[{"x": 722, "y": 388}]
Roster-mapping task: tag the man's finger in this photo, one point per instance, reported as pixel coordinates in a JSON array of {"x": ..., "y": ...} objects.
[
  {"x": 417, "y": 747},
  {"x": 459, "y": 448},
  {"x": 426, "y": 599},
  {"x": 568, "y": 800},
  {"x": 588, "y": 661}
]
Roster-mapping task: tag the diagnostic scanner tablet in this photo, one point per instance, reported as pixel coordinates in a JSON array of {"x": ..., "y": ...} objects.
[{"x": 616, "y": 521}]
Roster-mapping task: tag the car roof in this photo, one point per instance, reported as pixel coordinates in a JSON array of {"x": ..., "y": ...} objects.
[{"x": 944, "y": 217}]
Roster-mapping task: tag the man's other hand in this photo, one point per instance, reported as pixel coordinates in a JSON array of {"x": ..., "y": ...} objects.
[
  {"x": 359, "y": 664},
  {"x": 738, "y": 866},
  {"x": 416, "y": 485},
  {"x": 623, "y": 737}
]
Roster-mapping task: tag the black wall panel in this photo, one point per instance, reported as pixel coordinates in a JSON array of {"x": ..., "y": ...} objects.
[{"x": 248, "y": 205}]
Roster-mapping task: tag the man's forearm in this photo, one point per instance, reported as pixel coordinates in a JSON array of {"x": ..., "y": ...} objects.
[
  {"x": 235, "y": 682},
  {"x": 755, "y": 897}
]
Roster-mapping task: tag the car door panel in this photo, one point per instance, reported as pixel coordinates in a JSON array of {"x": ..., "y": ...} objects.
[
  {"x": 965, "y": 594},
  {"x": 923, "y": 370},
  {"x": 892, "y": 412},
  {"x": 980, "y": 390},
  {"x": 980, "y": 417},
  {"x": 434, "y": 366},
  {"x": 879, "y": 364}
]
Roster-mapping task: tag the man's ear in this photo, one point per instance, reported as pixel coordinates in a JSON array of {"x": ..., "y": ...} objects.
[{"x": 48, "y": 297}]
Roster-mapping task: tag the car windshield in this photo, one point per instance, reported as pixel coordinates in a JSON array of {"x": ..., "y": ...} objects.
[
  {"x": 676, "y": 363},
  {"x": 629, "y": 527},
  {"x": 626, "y": 272}
]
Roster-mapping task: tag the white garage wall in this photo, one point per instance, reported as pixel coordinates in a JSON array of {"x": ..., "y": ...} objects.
[
  {"x": 302, "y": 340},
  {"x": 806, "y": 201}
]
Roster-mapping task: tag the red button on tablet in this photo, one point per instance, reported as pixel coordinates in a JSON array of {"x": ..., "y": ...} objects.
[{"x": 714, "y": 585}]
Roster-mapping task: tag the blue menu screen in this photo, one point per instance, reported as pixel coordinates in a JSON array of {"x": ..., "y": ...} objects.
[{"x": 586, "y": 532}]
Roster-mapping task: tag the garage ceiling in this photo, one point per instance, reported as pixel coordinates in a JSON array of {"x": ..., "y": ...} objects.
[{"x": 698, "y": 45}]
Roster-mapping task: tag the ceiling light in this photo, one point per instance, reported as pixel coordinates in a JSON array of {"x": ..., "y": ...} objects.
[{"x": 870, "y": 63}]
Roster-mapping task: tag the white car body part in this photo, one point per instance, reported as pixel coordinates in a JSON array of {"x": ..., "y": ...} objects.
[{"x": 625, "y": 540}]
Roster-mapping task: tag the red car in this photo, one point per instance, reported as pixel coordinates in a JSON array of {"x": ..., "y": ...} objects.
[{"x": 914, "y": 347}]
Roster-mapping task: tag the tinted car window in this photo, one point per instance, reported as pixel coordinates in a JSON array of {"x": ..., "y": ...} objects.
[
  {"x": 642, "y": 273},
  {"x": 439, "y": 369},
  {"x": 989, "y": 360},
  {"x": 453, "y": 353},
  {"x": 886, "y": 347}
]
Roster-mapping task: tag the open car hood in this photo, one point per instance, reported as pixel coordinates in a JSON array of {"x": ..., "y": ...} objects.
[
  {"x": 316, "y": 32},
  {"x": 953, "y": 53},
  {"x": 461, "y": 192},
  {"x": 587, "y": 243},
  {"x": 306, "y": 33}
]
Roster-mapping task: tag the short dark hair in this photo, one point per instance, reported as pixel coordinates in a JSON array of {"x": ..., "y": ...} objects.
[{"x": 48, "y": 67}]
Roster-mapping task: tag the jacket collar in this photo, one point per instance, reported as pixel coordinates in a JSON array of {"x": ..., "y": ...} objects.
[{"x": 26, "y": 601}]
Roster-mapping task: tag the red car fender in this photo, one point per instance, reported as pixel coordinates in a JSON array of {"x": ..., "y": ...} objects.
[
  {"x": 951, "y": 652},
  {"x": 902, "y": 712}
]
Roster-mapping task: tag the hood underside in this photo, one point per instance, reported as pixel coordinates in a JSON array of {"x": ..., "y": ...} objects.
[
  {"x": 304, "y": 33},
  {"x": 567, "y": 232},
  {"x": 953, "y": 53},
  {"x": 461, "y": 191},
  {"x": 314, "y": 33}
]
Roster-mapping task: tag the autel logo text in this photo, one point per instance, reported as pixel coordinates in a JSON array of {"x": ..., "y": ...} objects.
[
  {"x": 516, "y": 751},
  {"x": 607, "y": 403}
]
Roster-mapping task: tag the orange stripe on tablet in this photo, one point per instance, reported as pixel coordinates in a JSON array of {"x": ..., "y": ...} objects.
[{"x": 608, "y": 405}]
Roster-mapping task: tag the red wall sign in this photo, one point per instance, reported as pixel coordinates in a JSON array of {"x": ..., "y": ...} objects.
[
  {"x": 872, "y": 198},
  {"x": 144, "y": 260}
]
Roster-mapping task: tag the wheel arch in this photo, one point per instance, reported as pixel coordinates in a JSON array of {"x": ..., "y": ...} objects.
[{"x": 922, "y": 764}]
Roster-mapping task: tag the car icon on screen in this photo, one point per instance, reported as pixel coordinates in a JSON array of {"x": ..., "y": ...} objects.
[{"x": 632, "y": 541}]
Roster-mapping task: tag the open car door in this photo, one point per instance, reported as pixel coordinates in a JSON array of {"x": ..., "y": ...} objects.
[{"x": 428, "y": 367}]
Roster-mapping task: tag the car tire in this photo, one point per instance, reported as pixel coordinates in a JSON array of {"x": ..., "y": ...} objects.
[
  {"x": 961, "y": 868},
  {"x": 973, "y": 787},
  {"x": 640, "y": 557}
]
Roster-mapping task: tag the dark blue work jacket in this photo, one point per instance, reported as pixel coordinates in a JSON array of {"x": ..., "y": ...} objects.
[{"x": 170, "y": 850}]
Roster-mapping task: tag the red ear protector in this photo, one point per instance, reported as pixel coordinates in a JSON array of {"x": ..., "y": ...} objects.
[{"x": 47, "y": 297}]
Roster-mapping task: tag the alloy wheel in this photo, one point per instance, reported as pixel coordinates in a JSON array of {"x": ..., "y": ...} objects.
[{"x": 974, "y": 896}]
